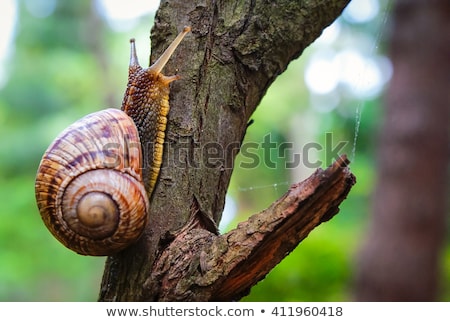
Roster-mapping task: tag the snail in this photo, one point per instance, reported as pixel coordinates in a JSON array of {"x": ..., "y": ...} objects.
[{"x": 92, "y": 188}]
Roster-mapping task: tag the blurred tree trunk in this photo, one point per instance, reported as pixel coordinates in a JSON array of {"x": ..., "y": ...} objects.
[
  {"x": 400, "y": 260},
  {"x": 235, "y": 51}
]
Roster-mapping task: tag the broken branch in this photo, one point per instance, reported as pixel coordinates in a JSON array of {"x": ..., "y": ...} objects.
[{"x": 198, "y": 265}]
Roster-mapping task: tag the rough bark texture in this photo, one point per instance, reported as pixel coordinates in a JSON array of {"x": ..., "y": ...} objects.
[
  {"x": 235, "y": 51},
  {"x": 401, "y": 257}
]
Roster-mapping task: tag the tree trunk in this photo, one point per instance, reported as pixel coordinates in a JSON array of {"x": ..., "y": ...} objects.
[
  {"x": 401, "y": 258},
  {"x": 233, "y": 54}
]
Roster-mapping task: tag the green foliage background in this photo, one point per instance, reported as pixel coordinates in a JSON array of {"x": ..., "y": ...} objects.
[{"x": 71, "y": 63}]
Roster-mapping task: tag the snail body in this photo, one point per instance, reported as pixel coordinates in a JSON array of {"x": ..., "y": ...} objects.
[{"x": 92, "y": 186}]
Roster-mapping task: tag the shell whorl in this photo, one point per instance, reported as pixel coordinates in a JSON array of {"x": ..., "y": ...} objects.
[{"x": 89, "y": 186}]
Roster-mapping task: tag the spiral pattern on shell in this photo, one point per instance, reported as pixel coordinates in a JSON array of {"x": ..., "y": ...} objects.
[{"x": 89, "y": 186}]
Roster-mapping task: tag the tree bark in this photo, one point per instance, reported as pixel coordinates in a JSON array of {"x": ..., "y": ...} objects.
[
  {"x": 233, "y": 54},
  {"x": 400, "y": 260}
]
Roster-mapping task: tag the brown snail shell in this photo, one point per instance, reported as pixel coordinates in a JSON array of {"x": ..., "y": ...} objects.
[{"x": 89, "y": 186}]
